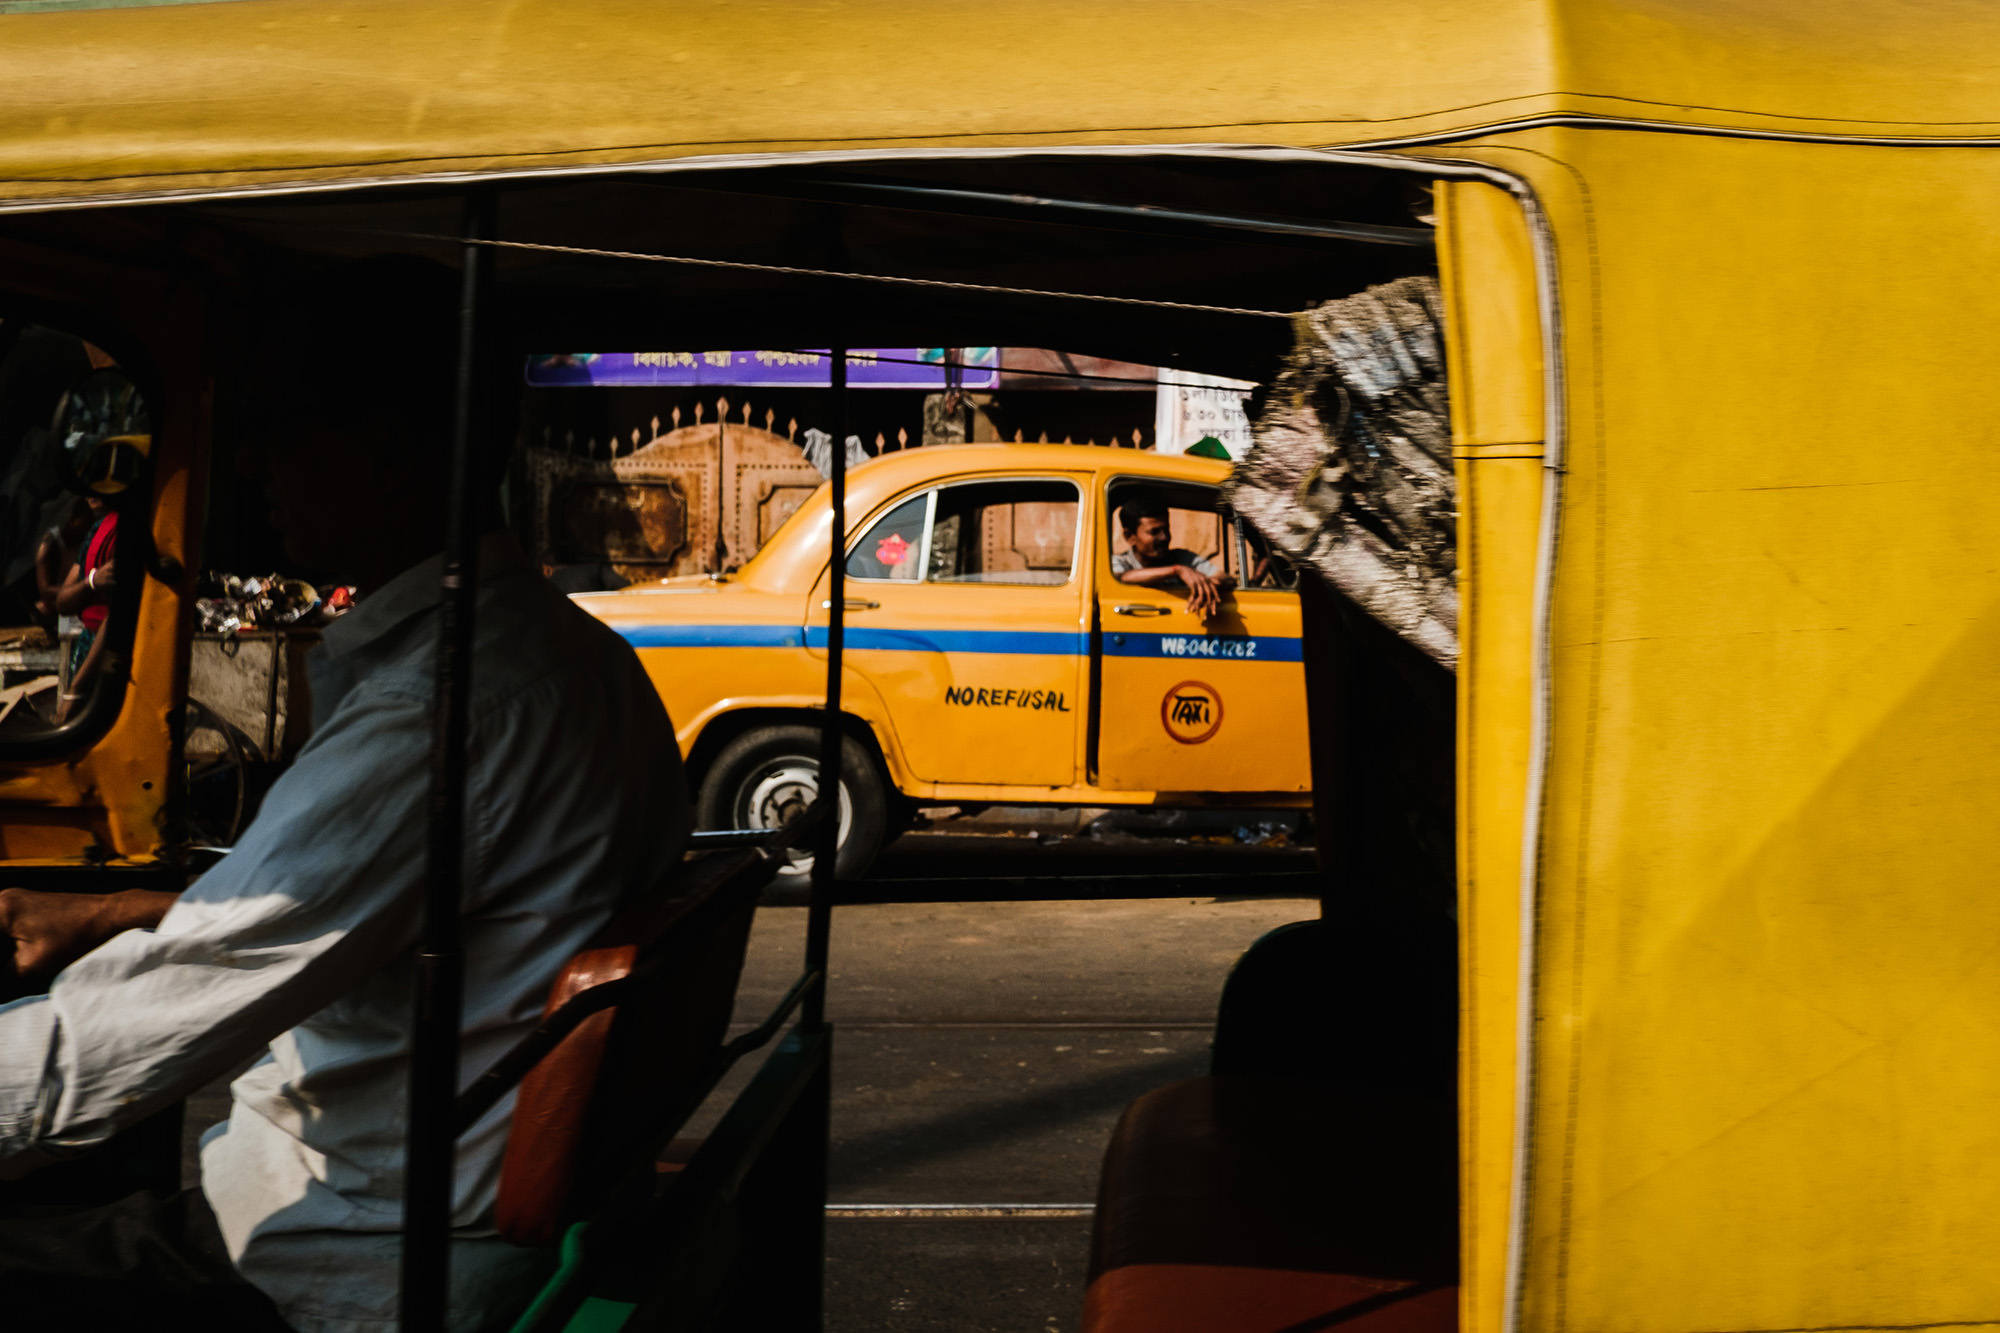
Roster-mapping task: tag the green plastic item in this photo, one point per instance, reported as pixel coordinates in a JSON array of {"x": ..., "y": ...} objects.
[
  {"x": 1209, "y": 447},
  {"x": 597, "y": 1315},
  {"x": 569, "y": 1260}
]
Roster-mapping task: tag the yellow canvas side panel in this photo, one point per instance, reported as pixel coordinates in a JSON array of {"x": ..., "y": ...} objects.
[
  {"x": 119, "y": 102},
  {"x": 1767, "y": 1066},
  {"x": 105, "y": 102},
  {"x": 1494, "y": 350},
  {"x": 1493, "y": 332},
  {"x": 1500, "y": 504}
]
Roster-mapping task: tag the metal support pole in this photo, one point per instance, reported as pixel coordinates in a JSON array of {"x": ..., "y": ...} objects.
[
  {"x": 826, "y": 840},
  {"x": 428, "y": 1173}
]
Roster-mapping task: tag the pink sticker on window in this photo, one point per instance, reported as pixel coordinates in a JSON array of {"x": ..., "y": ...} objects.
[{"x": 892, "y": 549}]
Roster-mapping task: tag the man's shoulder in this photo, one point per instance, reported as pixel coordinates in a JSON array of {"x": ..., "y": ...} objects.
[
  {"x": 525, "y": 634},
  {"x": 541, "y": 635}
]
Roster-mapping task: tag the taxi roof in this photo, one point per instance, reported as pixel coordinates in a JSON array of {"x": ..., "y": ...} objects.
[
  {"x": 795, "y": 557},
  {"x": 896, "y": 471},
  {"x": 891, "y": 474},
  {"x": 108, "y": 100}
]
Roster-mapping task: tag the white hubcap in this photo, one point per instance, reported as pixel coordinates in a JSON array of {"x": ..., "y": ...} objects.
[{"x": 779, "y": 792}]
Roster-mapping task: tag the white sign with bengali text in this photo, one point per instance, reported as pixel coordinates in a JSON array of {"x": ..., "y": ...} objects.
[{"x": 1192, "y": 405}]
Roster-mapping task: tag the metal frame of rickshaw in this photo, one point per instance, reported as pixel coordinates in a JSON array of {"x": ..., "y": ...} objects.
[{"x": 790, "y": 1081}]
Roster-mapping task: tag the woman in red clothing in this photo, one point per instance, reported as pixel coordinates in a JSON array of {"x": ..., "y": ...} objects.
[{"x": 86, "y": 594}]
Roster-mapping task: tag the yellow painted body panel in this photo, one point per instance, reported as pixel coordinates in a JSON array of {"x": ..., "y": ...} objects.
[
  {"x": 1245, "y": 712},
  {"x": 107, "y": 802},
  {"x": 997, "y": 718},
  {"x": 1494, "y": 348},
  {"x": 982, "y": 716},
  {"x": 1187, "y": 705},
  {"x": 700, "y": 684},
  {"x": 969, "y": 717}
]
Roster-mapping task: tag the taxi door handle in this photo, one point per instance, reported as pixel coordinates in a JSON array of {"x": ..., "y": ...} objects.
[
  {"x": 851, "y": 604},
  {"x": 1143, "y": 609}
]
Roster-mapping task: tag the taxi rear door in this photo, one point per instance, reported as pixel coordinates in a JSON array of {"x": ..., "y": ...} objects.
[
  {"x": 966, "y": 616},
  {"x": 1191, "y": 707}
]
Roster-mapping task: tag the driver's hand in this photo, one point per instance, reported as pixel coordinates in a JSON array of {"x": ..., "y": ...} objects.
[
  {"x": 52, "y": 930},
  {"x": 1204, "y": 594}
]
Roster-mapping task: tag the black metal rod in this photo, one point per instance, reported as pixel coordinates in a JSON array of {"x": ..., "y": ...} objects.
[
  {"x": 440, "y": 979},
  {"x": 1060, "y": 888},
  {"x": 1143, "y": 213},
  {"x": 819, "y": 908},
  {"x": 487, "y": 1090},
  {"x": 702, "y": 840},
  {"x": 741, "y": 1046},
  {"x": 771, "y": 840},
  {"x": 1097, "y": 213}
]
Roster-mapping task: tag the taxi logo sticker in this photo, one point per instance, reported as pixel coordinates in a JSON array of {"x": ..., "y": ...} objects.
[{"x": 1191, "y": 712}]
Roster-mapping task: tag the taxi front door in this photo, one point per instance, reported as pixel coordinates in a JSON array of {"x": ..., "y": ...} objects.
[
  {"x": 966, "y": 618},
  {"x": 1187, "y": 706}
]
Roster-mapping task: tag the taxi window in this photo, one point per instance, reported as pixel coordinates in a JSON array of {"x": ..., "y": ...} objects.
[
  {"x": 1264, "y": 565},
  {"x": 893, "y": 548},
  {"x": 1220, "y": 542},
  {"x": 1018, "y": 532}
]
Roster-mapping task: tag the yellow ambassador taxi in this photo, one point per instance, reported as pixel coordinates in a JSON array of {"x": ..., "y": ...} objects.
[{"x": 993, "y": 653}]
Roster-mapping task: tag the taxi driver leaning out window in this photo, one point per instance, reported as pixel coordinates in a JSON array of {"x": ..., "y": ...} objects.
[
  {"x": 1153, "y": 560},
  {"x": 301, "y": 944}
]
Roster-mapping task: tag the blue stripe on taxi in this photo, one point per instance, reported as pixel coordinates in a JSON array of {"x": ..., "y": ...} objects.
[
  {"x": 1193, "y": 647},
  {"x": 859, "y": 637}
]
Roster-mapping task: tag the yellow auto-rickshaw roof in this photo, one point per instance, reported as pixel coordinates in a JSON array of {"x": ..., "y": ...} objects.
[{"x": 103, "y": 100}]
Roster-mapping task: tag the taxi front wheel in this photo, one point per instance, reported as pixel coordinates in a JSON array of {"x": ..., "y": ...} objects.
[{"x": 767, "y": 777}]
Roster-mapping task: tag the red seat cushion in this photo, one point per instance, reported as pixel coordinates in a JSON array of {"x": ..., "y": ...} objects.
[
  {"x": 604, "y": 1098},
  {"x": 1226, "y": 1200},
  {"x": 1200, "y": 1298}
]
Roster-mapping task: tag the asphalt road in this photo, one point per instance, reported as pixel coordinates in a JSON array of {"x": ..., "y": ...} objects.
[{"x": 983, "y": 1051}]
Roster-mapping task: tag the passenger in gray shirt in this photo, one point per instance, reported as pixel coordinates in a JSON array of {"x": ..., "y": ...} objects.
[{"x": 1153, "y": 560}]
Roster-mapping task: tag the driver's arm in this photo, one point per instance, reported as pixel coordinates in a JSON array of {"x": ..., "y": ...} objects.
[
  {"x": 1204, "y": 590},
  {"x": 319, "y": 893},
  {"x": 1147, "y": 575}
]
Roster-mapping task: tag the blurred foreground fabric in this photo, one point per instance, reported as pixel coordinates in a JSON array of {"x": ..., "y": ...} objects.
[{"x": 1351, "y": 470}]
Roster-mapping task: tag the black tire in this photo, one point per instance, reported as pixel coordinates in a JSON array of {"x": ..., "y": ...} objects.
[
  {"x": 761, "y": 778},
  {"x": 215, "y": 786},
  {"x": 903, "y": 815}
]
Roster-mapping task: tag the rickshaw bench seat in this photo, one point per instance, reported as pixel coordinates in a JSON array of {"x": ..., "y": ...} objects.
[
  {"x": 1255, "y": 1205},
  {"x": 617, "y": 1086}
]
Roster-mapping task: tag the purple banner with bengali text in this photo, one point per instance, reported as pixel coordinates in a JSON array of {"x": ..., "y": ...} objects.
[{"x": 867, "y": 368}]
